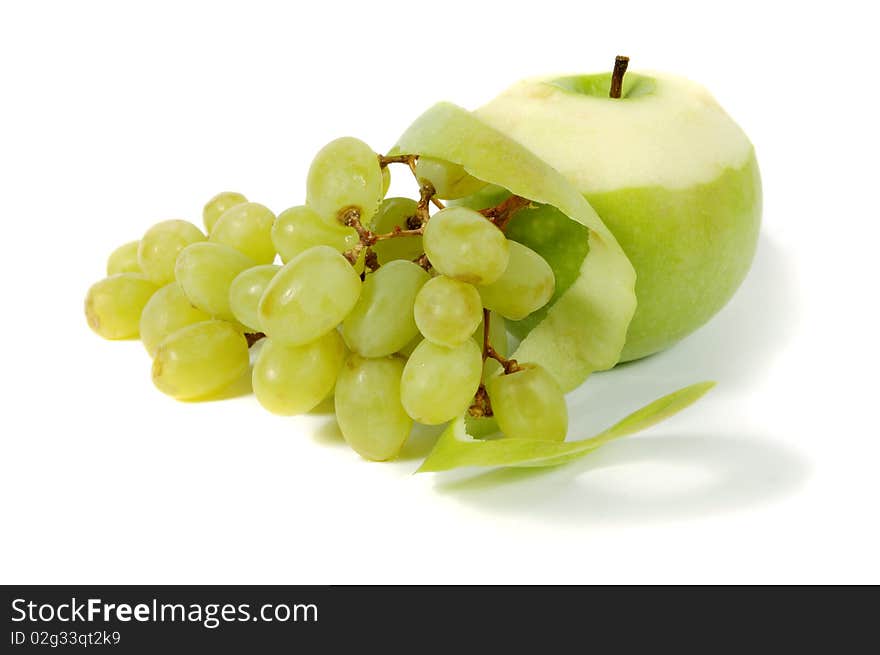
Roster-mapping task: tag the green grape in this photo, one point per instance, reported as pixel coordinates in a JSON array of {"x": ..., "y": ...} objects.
[
  {"x": 392, "y": 213},
  {"x": 205, "y": 272},
  {"x": 309, "y": 296},
  {"x": 491, "y": 195},
  {"x": 498, "y": 341},
  {"x": 386, "y": 180},
  {"x": 368, "y": 408},
  {"x": 167, "y": 311},
  {"x": 463, "y": 244},
  {"x": 529, "y": 404},
  {"x": 447, "y": 311},
  {"x": 525, "y": 286},
  {"x": 158, "y": 249},
  {"x": 450, "y": 181},
  {"x": 299, "y": 228},
  {"x": 245, "y": 292},
  {"x": 439, "y": 383},
  {"x": 382, "y": 322},
  {"x": 247, "y": 228},
  {"x": 345, "y": 173},
  {"x": 114, "y": 305},
  {"x": 290, "y": 380},
  {"x": 215, "y": 207},
  {"x": 200, "y": 360},
  {"x": 124, "y": 259}
]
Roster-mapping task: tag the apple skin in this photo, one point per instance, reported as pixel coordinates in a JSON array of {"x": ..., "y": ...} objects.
[{"x": 671, "y": 175}]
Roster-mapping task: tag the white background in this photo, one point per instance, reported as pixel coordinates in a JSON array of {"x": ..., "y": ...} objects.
[{"x": 117, "y": 115}]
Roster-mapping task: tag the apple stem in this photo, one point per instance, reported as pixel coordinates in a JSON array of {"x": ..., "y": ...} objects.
[{"x": 620, "y": 64}]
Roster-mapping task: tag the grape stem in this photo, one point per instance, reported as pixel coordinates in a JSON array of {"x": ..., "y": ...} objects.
[
  {"x": 253, "y": 337},
  {"x": 487, "y": 316},
  {"x": 351, "y": 217},
  {"x": 501, "y": 214},
  {"x": 509, "y": 365},
  {"x": 384, "y": 160},
  {"x": 398, "y": 232},
  {"x": 482, "y": 405},
  {"x": 410, "y": 161},
  {"x": 371, "y": 261},
  {"x": 422, "y": 260},
  {"x": 427, "y": 196},
  {"x": 352, "y": 254}
]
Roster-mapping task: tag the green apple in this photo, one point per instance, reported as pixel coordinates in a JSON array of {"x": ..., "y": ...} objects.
[{"x": 669, "y": 173}]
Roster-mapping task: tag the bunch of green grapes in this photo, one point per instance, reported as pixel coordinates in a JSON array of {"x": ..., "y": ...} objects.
[{"x": 396, "y": 312}]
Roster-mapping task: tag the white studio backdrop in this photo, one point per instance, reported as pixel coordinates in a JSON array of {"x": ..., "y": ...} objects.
[{"x": 116, "y": 115}]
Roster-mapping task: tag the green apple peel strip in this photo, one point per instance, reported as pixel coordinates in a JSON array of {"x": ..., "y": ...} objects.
[{"x": 456, "y": 448}]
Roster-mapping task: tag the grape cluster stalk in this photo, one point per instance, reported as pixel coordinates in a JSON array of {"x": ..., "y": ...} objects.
[{"x": 394, "y": 306}]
